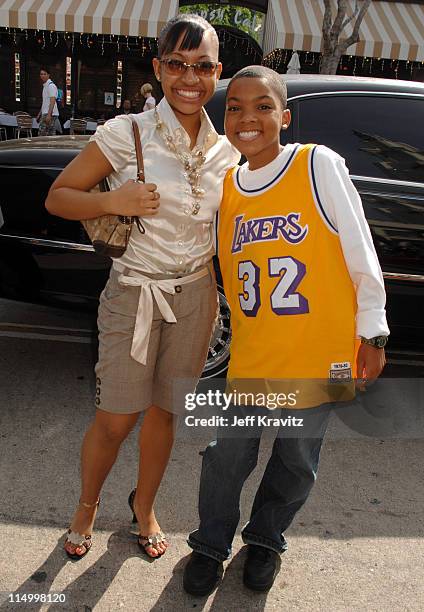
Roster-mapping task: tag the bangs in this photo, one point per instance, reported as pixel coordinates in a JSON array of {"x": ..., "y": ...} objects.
[{"x": 190, "y": 27}]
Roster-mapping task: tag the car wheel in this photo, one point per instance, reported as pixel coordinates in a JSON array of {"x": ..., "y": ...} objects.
[{"x": 219, "y": 348}]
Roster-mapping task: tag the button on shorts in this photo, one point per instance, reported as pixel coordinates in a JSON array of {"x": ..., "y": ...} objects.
[{"x": 176, "y": 351}]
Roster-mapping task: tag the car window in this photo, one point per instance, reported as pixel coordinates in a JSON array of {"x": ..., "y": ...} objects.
[
  {"x": 22, "y": 197},
  {"x": 379, "y": 136}
]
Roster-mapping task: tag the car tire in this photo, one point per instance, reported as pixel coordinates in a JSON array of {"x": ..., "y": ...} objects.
[{"x": 219, "y": 348}]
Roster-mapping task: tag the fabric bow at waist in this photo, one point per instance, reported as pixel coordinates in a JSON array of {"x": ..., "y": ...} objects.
[{"x": 151, "y": 288}]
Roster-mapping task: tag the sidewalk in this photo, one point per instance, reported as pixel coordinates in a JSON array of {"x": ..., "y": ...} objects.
[{"x": 357, "y": 544}]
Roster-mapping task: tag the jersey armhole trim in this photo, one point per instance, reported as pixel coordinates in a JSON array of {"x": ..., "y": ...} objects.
[{"x": 316, "y": 197}]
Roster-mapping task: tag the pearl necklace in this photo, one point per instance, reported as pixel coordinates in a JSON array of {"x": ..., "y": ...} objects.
[{"x": 192, "y": 162}]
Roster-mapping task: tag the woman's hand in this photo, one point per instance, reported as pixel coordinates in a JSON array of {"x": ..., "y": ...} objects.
[
  {"x": 134, "y": 199},
  {"x": 69, "y": 196}
]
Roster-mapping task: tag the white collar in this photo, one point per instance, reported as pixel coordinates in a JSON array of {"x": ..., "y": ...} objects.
[
  {"x": 207, "y": 135},
  {"x": 258, "y": 179}
]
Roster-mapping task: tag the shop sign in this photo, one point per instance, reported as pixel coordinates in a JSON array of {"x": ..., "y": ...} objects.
[
  {"x": 242, "y": 18},
  {"x": 109, "y": 98}
]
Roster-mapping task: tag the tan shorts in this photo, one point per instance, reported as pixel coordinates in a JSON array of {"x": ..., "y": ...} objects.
[{"x": 176, "y": 350}]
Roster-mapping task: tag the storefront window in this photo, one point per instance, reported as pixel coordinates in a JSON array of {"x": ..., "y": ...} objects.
[
  {"x": 138, "y": 71},
  {"x": 97, "y": 77},
  {"x": 35, "y": 58}
]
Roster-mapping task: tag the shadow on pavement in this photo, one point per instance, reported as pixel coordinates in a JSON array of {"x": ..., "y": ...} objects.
[
  {"x": 231, "y": 589},
  {"x": 87, "y": 590}
]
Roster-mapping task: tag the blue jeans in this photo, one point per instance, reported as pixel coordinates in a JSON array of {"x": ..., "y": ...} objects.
[{"x": 286, "y": 483}]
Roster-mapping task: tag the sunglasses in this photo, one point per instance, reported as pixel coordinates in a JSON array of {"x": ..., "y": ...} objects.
[{"x": 201, "y": 69}]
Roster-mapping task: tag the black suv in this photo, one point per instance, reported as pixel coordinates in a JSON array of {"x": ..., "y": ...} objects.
[{"x": 377, "y": 125}]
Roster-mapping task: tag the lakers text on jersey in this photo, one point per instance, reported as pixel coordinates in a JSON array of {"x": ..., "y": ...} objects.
[{"x": 292, "y": 301}]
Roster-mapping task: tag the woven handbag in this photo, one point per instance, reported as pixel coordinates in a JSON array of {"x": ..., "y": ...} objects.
[{"x": 110, "y": 234}]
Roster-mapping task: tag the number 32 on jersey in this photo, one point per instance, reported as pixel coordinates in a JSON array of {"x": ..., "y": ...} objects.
[{"x": 284, "y": 298}]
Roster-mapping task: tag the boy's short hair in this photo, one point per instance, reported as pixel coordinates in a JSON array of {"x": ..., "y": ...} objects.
[
  {"x": 262, "y": 72},
  {"x": 193, "y": 27}
]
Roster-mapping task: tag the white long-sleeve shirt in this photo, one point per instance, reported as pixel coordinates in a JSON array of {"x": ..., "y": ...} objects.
[{"x": 343, "y": 208}]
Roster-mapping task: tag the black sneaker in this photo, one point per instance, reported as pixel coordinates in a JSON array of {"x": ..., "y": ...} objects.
[
  {"x": 201, "y": 574},
  {"x": 260, "y": 568}
]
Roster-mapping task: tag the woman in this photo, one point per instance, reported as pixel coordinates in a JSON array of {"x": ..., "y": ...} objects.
[
  {"x": 146, "y": 91},
  {"x": 166, "y": 270}
]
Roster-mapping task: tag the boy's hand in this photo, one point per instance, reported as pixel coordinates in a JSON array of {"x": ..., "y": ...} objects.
[{"x": 370, "y": 363}]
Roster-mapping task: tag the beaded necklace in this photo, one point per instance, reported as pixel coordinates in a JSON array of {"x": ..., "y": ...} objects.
[{"x": 192, "y": 162}]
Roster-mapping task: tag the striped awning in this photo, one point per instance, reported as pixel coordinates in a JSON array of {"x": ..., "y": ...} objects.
[
  {"x": 389, "y": 29},
  {"x": 126, "y": 17}
]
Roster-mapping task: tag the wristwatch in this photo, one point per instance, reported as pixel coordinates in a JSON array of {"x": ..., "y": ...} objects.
[{"x": 377, "y": 342}]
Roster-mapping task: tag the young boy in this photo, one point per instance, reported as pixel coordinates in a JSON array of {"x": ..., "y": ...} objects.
[{"x": 304, "y": 284}]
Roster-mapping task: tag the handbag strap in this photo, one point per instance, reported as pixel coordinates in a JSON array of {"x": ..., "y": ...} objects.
[
  {"x": 140, "y": 167},
  {"x": 138, "y": 151}
]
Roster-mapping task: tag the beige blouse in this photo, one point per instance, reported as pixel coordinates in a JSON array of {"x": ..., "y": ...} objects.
[{"x": 176, "y": 241}]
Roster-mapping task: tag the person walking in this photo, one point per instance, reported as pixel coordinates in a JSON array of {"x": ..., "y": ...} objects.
[
  {"x": 48, "y": 117},
  {"x": 157, "y": 310},
  {"x": 146, "y": 91}
]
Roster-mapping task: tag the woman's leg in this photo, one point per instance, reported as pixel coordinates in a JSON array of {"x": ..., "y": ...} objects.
[
  {"x": 99, "y": 451},
  {"x": 181, "y": 357},
  {"x": 156, "y": 440}
]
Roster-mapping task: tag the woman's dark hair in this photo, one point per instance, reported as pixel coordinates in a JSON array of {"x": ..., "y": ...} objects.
[
  {"x": 193, "y": 27},
  {"x": 44, "y": 69},
  {"x": 273, "y": 79}
]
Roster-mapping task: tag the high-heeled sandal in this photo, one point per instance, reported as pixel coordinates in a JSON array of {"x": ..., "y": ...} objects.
[
  {"x": 151, "y": 540},
  {"x": 80, "y": 540}
]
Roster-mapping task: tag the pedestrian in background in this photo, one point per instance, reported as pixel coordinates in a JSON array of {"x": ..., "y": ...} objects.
[
  {"x": 126, "y": 107},
  {"x": 49, "y": 113},
  {"x": 293, "y": 67},
  {"x": 146, "y": 91}
]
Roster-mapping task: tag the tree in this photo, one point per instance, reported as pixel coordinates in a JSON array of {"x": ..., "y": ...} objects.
[
  {"x": 334, "y": 46},
  {"x": 242, "y": 18}
]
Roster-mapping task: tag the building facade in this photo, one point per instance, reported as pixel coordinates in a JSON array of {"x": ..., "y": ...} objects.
[{"x": 99, "y": 53}]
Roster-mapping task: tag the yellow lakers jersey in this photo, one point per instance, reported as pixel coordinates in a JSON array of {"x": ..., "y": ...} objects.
[{"x": 292, "y": 301}]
